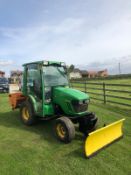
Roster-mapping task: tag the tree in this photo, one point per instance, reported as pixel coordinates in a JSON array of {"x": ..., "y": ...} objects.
[{"x": 71, "y": 68}]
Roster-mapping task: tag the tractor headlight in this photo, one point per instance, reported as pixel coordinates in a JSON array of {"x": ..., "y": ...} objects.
[
  {"x": 83, "y": 102},
  {"x": 86, "y": 101},
  {"x": 80, "y": 102}
]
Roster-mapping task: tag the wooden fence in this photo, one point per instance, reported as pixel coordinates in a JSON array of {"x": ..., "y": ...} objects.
[{"x": 112, "y": 93}]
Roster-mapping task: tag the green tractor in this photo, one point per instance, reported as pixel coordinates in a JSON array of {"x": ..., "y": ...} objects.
[{"x": 46, "y": 94}]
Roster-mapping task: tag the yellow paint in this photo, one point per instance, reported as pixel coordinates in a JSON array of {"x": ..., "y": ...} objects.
[
  {"x": 102, "y": 137},
  {"x": 25, "y": 114}
]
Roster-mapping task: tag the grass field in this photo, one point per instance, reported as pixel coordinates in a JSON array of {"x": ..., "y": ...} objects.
[
  {"x": 118, "y": 81},
  {"x": 35, "y": 151}
]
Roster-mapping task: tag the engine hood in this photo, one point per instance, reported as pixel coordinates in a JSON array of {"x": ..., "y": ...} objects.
[
  {"x": 69, "y": 93},
  {"x": 64, "y": 97}
]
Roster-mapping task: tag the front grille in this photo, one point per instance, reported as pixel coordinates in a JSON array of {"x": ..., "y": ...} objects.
[{"x": 80, "y": 106}]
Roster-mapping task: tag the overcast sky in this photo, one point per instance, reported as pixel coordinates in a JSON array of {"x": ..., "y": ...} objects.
[{"x": 75, "y": 31}]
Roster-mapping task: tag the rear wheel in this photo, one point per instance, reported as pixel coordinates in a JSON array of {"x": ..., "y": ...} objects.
[
  {"x": 64, "y": 129},
  {"x": 27, "y": 113}
]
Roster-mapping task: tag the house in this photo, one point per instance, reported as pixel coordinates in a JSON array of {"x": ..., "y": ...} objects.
[
  {"x": 103, "y": 73},
  {"x": 92, "y": 74},
  {"x": 84, "y": 73},
  {"x": 15, "y": 77},
  {"x": 76, "y": 73},
  {"x": 2, "y": 74}
]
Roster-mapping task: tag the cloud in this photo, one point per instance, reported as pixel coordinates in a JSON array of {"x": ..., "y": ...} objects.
[
  {"x": 72, "y": 39},
  {"x": 5, "y": 62},
  {"x": 80, "y": 39},
  {"x": 39, "y": 40}
]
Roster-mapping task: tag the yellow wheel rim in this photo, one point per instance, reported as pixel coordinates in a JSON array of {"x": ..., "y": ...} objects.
[
  {"x": 25, "y": 114},
  {"x": 60, "y": 130}
]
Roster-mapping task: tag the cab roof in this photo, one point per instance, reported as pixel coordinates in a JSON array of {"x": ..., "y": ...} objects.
[{"x": 42, "y": 62}]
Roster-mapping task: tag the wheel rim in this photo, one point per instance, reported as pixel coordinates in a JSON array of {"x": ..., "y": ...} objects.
[
  {"x": 25, "y": 113},
  {"x": 60, "y": 131}
]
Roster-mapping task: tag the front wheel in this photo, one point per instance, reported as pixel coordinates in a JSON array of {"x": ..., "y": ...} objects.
[{"x": 64, "y": 129}]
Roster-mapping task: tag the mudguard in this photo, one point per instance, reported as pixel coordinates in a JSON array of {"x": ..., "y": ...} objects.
[{"x": 33, "y": 102}]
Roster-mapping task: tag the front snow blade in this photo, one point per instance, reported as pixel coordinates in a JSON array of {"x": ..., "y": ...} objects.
[{"x": 102, "y": 137}]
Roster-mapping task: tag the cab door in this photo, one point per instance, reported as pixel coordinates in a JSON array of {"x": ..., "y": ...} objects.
[{"x": 34, "y": 85}]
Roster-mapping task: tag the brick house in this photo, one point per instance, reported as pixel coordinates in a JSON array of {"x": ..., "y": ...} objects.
[
  {"x": 76, "y": 73},
  {"x": 92, "y": 74},
  {"x": 103, "y": 73}
]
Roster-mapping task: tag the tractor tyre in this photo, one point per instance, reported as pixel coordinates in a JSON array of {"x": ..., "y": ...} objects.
[
  {"x": 27, "y": 114},
  {"x": 64, "y": 129}
]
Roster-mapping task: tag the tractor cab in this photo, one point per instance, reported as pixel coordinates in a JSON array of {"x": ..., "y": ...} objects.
[
  {"x": 39, "y": 80},
  {"x": 46, "y": 84}
]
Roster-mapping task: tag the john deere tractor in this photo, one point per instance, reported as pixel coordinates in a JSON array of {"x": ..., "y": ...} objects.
[{"x": 46, "y": 94}]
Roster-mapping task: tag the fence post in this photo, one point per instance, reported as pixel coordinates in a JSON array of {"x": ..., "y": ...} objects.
[
  {"x": 85, "y": 86},
  {"x": 71, "y": 84},
  {"x": 104, "y": 92}
]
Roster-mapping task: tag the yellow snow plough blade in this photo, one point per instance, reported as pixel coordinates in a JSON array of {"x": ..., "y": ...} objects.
[{"x": 102, "y": 137}]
